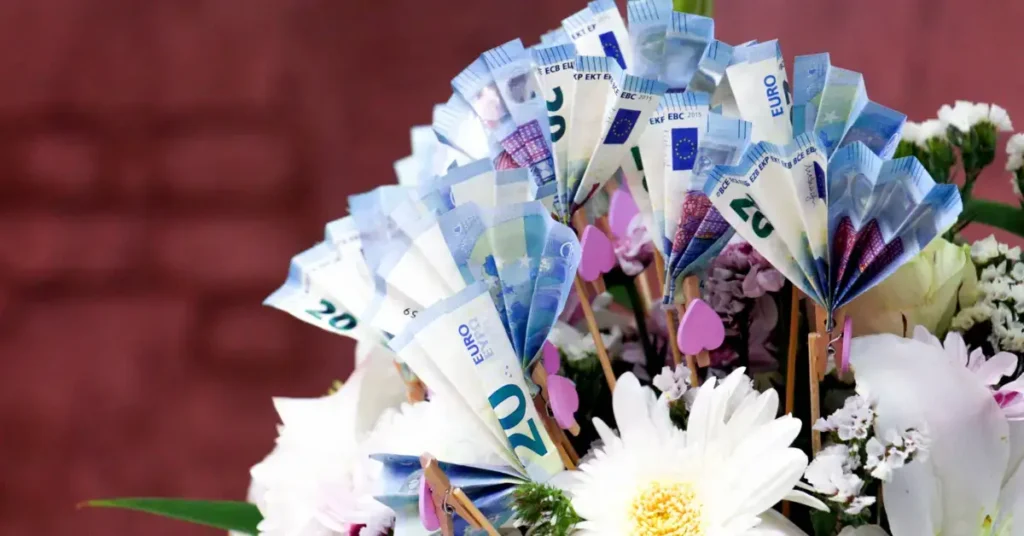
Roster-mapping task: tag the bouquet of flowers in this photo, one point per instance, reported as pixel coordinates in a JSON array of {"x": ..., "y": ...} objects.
[{"x": 632, "y": 280}]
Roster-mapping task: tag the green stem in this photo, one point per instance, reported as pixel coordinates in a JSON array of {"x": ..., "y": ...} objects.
[
  {"x": 969, "y": 180},
  {"x": 998, "y": 215},
  {"x": 650, "y": 356},
  {"x": 705, "y": 8}
]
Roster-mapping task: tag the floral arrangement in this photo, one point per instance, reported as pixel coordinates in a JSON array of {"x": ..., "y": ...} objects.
[{"x": 632, "y": 281}]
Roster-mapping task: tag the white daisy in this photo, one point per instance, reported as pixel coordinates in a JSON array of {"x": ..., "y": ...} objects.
[
  {"x": 716, "y": 478},
  {"x": 317, "y": 481}
]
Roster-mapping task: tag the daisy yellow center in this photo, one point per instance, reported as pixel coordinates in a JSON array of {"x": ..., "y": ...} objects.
[{"x": 666, "y": 509}]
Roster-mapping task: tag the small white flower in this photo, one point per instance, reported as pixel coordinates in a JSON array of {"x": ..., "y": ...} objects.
[
  {"x": 958, "y": 116},
  {"x": 1018, "y": 271},
  {"x": 858, "y": 505},
  {"x": 1013, "y": 253},
  {"x": 911, "y": 132},
  {"x": 1015, "y": 152},
  {"x": 985, "y": 249},
  {"x": 964, "y": 114},
  {"x": 673, "y": 383},
  {"x": 932, "y": 128},
  {"x": 997, "y": 116}
]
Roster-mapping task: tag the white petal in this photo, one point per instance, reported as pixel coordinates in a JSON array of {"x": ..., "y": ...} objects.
[
  {"x": 1011, "y": 503},
  {"x": 957, "y": 349},
  {"x": 806, "y": 499},
  {"x": 632, "y": 413},
  {"x": 912, "y": 501},
  {"x": 999, "y": 365},
  {"x": 775, "y": 524},
  {"x": 922, "y": 334},
  {"x": 914, "y": 386},
  {"x": 698, "y": 425},
  {"x": 766, "y": 486}
]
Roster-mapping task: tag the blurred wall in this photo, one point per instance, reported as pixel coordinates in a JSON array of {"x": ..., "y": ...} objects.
[{"x": 161, "y": 161}]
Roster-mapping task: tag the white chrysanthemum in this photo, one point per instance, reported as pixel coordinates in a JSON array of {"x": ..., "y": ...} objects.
[
  {"x": 958, "y": 116},
  {"x": 318, "y": 480},
  {"x": 997, "y": 116},
  {"x": 964, "y": 114},
  {"x": 985, "y": 249},
  {"x": 717, "y": 477},
  {"x": 932, "y": 128},
  {"x": 911, "y": 132}
]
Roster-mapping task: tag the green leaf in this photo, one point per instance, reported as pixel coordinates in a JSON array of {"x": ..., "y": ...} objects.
[
  {"x": 998, "y": 215},
  {"x": 824, "y": 523},
  {"x": 226, "y": 515}
]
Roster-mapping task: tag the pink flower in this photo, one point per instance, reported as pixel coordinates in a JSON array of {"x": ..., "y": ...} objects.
[{"x": 634, "y": 250}]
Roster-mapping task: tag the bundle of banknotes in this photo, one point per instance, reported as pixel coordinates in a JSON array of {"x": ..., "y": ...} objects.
[{"x": 463, "y": 267}]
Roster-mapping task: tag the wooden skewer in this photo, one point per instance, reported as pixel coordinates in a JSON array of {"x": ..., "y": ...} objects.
[
  {"x": 814, "y": 341},
  {"x": 643, "y": 284},
  {"x": 677, "y": 356},
  {"x": 602, "y": 353},
  {"x": 415, "y": 391},
  {"x": 794, "y": 330}
]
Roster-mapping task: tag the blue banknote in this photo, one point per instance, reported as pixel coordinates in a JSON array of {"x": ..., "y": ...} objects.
[
  {"x": 489, "y": 488},
  {"x": 711, "y": 67},
  {"x": 842, "y": 100},
  {"x": 685, "y": 40},
  {"x": 456, "y": 124},
  {"x": 724, "y": 142},
  {"x": 809, "y": 74},
  {"x": 529, "y": 141},
  {"x": 648, "y": 22},
  {"x": 877, "y": 127}
]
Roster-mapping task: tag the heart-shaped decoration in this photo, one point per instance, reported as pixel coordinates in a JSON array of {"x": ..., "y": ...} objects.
[
  {"x": 598, "y": 256},
  {"x": 551, "y": 360},
  {"x": 428, "y": 514},
  {"x": 700, "y": 329},
  {"x": 621, "y": 210},
  {"x": 564, "y": 401},
  {"x": 844, "y": 359}
]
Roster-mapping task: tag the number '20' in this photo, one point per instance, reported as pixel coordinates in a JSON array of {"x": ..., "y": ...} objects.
[
  {"x": 533, "y": 441},
  {"x": 340, "y": 322},
  {"x": 762, "y": 227}
]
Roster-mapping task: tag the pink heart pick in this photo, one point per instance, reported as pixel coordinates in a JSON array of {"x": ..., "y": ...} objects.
[
  {"x": 564, "y": 401},
  {"x": 428, "y": 515},
  {"x": 700, "y": 329},
  {"x": 621, "y": 210},
  {"x": 598, "y": 257},
  {"x": 552, "y": 361},
  {"x": 844, "y": 359}
]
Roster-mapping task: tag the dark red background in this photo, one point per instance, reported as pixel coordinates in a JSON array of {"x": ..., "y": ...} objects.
[{"x": 162, "y": 160}]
